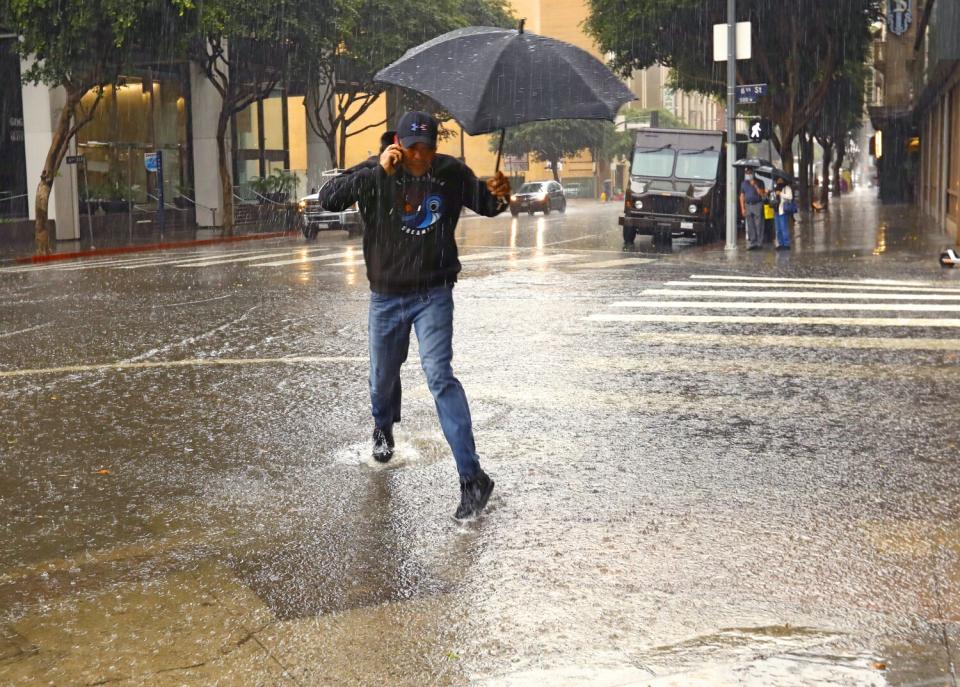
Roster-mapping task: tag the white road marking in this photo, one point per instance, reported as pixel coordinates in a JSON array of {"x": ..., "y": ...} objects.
[
  {"x": 201, "y": 260},
  {"x": 860, "y": 282},
  {"x": 579, "y": 238},
  {"x": 470, "y": 257},
  {"x": 540, "y": 260},
  {"x": 24, "y": 331},
  {"x": 202, "y": 300},
  {"x": 781, "y": 340},
  {"x": 83, "y": 263},
  {"x": 811, "y": 285},
  {"x": 193, "y": 362},
  {"x": 612, "y": 263},
  {"x": 755, "y": 305},
  {"x": 314, "y": 258},
  {"x": 742, "y": 319},
  {"x": 207, "y": 262},
  {"x": 815, "y": 295}
]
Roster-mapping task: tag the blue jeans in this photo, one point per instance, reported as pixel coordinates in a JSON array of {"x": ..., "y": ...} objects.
[
  {"x": 430, "y": 313},
  {"x": 783, "y": 229}
]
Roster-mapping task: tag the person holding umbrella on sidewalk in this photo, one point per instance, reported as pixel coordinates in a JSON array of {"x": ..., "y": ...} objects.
[
  {"x": 751, "y": 207},
  {"x": 411, "y": 203}
]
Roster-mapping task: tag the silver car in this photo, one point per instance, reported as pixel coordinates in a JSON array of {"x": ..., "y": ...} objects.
[{"x": 313, "y": 218}]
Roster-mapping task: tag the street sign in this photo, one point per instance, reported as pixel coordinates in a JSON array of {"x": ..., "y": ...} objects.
[
  {"x": 760, "y": 130},
  {"x": 75, "y": 159},
  {"x": 151, "y": 161},
  {"x": 720, "y": 41},
  {"x": 750, "y": 92}
]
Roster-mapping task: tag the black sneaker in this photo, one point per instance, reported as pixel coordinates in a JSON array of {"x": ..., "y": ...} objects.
[
  {"x": 382, "y": 444},
  {"x": 474, "y": 495}
]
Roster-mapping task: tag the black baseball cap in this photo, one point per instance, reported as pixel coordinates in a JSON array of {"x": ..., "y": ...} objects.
[
  {"x": 386, "y": 139},
  {"x": 417, "y": 127}
]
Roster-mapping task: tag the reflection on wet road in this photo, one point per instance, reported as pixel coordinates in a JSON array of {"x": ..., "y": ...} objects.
[{"x": 711, "y": 469}]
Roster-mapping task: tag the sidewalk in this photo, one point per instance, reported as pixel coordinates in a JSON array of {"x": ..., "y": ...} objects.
[{"x": 140, "y": 240}]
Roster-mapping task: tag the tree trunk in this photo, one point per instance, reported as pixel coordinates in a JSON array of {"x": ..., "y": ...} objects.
[
  {"x": 342, "y": 154},
  {"x": 786, "y": 153},
  {"x": 825, "y": 170},
  {"x": 554, "y": 164},
  {"x": 226, "y": 178},
  {"x": 803, "y": 192},
  {"x": 51, "y": 166},
  {"x": 837, "y": 165}
]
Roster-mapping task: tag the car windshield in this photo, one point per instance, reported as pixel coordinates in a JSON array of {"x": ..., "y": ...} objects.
[
  {"x": 697, "y": 164},
  {"x": 652, "y": 162},
  {"x": 533, "y": 188}
]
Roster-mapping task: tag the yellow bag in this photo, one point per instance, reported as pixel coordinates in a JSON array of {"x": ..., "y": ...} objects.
[{"x": 768, "y": 211}]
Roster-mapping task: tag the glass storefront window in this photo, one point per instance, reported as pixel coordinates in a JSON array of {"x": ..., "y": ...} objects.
[
  {"x": 13, "y": 164},
  {"x": 143, "y": 115}
]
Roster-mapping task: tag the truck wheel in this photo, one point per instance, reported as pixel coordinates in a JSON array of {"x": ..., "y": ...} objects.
[
  {"x": 629, "y": 235},
  {"x": 310, "y": 233},
  {"x": 546, "y": 208},
  {"x": 563, "y": 206}
]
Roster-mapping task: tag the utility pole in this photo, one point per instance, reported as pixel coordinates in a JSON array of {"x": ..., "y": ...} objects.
[{"x": 731, "y": 124}]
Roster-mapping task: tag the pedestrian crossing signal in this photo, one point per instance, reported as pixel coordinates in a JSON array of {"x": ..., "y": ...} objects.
[{"x": 761, "y": 130}]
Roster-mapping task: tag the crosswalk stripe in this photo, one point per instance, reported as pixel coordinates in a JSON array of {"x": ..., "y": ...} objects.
[
  {"x": 743, "y": 319},
  {"x": 811, "y": 285},
  {"x": 540, "y": 260},
  {"x": 313, "y": 258},
  {"x": 861, "y": 282},
  {"x": 85, "y": 263},
  {"x": 207, "y": 262},
  {"x": 754, "y": 305},
  {"x": 784, "y": 341},
  {"x": 471, "y": 257},
  {"x": 622, "y": 262},
  {"x": 195, "y": 258},
  {"x": 815, "y": 295}
]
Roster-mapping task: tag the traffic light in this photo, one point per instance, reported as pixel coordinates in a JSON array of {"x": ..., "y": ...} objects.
[{"x": 760, "y": 130}]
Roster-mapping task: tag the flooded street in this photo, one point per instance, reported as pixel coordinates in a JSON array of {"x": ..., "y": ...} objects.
[{"x": 711, "y": 469}]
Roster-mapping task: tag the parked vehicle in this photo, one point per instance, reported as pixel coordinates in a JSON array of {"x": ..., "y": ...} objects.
[
  {"x": 542, "y": 196},
  {"x": 313, "y": 218},
  {"x": 676, "y": 188},
  {"x": 575, "y": 189}
]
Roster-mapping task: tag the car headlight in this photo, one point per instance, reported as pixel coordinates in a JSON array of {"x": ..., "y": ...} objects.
[
  {"x": 638, "y": 205},
  {"x": 692, "y": 209},
  {"x": 302, "y": 205},
  {"x": 513, "y": 197}
]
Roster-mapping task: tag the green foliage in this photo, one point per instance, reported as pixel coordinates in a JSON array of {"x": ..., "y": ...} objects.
[
  {"x": 86, "y": 43},
  {"x": 551, "y": 141},
  {"x": 799, "y": 47}
]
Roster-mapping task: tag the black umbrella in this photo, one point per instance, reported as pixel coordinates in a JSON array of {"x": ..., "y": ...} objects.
[
  {"x": 776, "y": 173},
  {"x": 752, "y": 162},
  {"x": 491, "y": 78}
]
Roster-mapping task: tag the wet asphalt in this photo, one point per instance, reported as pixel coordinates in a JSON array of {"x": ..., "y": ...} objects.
[{"x": 698, "y": 482}]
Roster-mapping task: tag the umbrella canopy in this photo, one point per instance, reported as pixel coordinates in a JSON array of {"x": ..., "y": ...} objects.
[
  {"x": 776, "y": 173},
  {"x": 492, "y": 78},
  {"x": 752, "y": 162}
]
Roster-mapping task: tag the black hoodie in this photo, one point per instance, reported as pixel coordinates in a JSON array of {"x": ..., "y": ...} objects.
[{"x": 408, "y": 242}]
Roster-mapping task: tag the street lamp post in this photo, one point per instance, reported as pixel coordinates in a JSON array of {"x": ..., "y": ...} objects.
[{"x": 731, "y": 124}]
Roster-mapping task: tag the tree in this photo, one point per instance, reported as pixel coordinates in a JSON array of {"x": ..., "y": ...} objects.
[
  {"x": 367, "y": 36},
  {"x": 553, "y": 140},
  {"x": 798, "y": 49},
  {"x": 243, "y": 47},
  {"x": 841, "y": 115},
  {"x": 81, "y": 46}
]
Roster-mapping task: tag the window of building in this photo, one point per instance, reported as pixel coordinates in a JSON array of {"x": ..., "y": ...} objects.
[
  {"x": 13, "y": 164},
  {"x": 261, "y": 135},
  {"x": 147, "y": 113}
]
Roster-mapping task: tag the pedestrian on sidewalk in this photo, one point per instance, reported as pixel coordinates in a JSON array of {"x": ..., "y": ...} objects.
[
  {"x": 784, "y": 196},
  {"x": 411, "y": 203},
  {"x": 751, "y": 207}
]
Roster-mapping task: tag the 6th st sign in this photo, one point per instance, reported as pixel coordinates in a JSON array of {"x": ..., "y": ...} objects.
[{"x": 749, "y": 93}]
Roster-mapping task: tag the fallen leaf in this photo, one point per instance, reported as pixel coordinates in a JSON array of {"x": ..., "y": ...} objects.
[
  {"x": 880, "y": 665},
  {"x": 103, "y": 472}
]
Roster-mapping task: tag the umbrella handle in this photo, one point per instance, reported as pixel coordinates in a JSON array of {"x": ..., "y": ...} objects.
[{"x": 503, "y": 133}]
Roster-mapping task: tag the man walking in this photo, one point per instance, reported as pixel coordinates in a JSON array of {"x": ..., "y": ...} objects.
[
  {"x": 411, "y": 203},
  {"x": 751, "y": 207}
]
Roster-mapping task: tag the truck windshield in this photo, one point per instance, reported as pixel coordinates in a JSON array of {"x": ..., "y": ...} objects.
[
  {"x": 697, "y": 164},
  {"x": 652, "y": 162}
]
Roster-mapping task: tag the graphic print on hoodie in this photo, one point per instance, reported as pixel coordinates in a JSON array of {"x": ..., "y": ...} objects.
[{"x": 420, "y": 205}]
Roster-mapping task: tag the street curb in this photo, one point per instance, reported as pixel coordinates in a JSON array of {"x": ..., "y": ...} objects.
[{"x": 167, "y": 245}]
